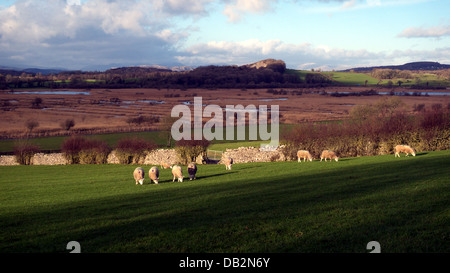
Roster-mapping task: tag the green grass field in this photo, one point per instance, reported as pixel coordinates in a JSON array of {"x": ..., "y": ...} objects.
[
  {"x": 158, "y": 137},
  {"x": 403, "y": 203},
  {"x": 351, "y": 78},
  {"x": 359, "y": 79}
]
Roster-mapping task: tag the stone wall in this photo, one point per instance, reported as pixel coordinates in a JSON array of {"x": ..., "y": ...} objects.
[
  {"x": 8, "y": 160},
  {"x": 252, "y": 154},
  {"x": 49, "y": 159},
  {"x": 156, "y": 157}
]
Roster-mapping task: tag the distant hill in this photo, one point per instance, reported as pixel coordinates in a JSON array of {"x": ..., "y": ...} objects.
[
  {"x": 275, "y": 65},
  {"x": 43, "y": 71},
  {"x": 17, "y": 71},
  {"x": 407, "y": 66},
  {"x": 148, "y": 68}
]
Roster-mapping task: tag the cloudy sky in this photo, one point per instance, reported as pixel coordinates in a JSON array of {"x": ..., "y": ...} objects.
[{"x": 326, "y": 34}]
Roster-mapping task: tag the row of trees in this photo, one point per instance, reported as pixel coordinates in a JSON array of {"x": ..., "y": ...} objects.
[
  {"x": 388, "y": 74},
  {"x": 201, "y": 77}
]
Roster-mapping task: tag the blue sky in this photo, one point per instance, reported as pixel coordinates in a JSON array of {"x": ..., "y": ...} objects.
[{"x": 326, "y": 34}]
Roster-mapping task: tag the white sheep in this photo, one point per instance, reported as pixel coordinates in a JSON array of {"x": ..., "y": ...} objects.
[
  {"x": 192, "y": 170},
  {"x": 153, "y": 173},
  {"x": 165, "y": 165},
  {"x": 228, "y": 161},
  {"x": 404, "y": 149},
  {"x": 177, "y": 172},
  {"x": 139, "y": 175},
  {"x": 305, "y": 155},
  {"x": 328, "y": 154}
]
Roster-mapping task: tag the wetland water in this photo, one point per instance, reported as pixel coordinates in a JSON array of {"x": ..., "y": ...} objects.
[{"x": 53, "y": 92}]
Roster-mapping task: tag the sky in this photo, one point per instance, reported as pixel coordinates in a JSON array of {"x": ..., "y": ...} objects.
[{"x": 306, "y": 34}]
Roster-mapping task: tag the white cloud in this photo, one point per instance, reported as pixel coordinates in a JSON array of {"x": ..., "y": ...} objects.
[
  {"x": 300, "y": 56},
  {"x": 82, "y": 32},
  {"x": 422, "y": 32},
  {"x": 181, "y": 7},
  {"x": 235, "y": 9},
  {"x": 295, "y": 55},
  {"x": 77, "y": 33},
  {"x": 349, "y": 4},
  {"x": 334, "y": 6}
]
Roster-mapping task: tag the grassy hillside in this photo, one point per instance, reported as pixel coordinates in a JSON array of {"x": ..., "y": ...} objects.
[
  {"x": 361, "y": 79},
  {"x": 257, "y": 207}
]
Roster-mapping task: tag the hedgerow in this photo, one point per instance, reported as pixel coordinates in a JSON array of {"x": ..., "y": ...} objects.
[{"x": 373, "y": 130}]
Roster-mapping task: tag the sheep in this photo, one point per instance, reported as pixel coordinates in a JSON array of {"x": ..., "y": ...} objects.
[
  {"x": 153, "y": 173},
  {"x": 165, "y": 165},
  {"x": 228, "y": 161},
  {"x": 305, "y": 155},
  {"x": 139, "y": 175},
  {"x": 404, "y": 149},
  {"x": 192, "y": 170},
  {"x": 328, "y": 154},
  {"x": 177, "y": 173}
]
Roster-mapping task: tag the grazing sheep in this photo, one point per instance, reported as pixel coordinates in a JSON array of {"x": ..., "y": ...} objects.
[
  {"x": 165, "y": 165},
  {"x": 177, "y": 173},
  {"x": 154, "y": 174},
  {"x": 228, "y": 161},
  {"x": 404, "y": 149},
  {"x": 328, "y": 154},
  {"x": 139, "y": 175},
  {"x": 305, "y": 155},
  {"x": 192, "y": 170}
]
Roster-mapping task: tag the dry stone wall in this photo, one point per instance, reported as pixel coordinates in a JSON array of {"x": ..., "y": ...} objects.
[
  {"x": 8, "y": 160},
  {"x": 49, "y": 159},
  {"x": 156, "y": 157},
  {"x": 252, "y": 154}
]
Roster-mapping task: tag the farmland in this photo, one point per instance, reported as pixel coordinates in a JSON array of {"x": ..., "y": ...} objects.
[
  {"x": 269, "y": 207},
  {"x": 272, "y": 207},
  {"x": 108, "y": 111}
]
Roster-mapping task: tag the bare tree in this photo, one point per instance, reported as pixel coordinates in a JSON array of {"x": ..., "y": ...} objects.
[
  {"x": 67, "y": 124},
  {"x": 36, "y": 103},
  {"x": 31, "y": 124}
]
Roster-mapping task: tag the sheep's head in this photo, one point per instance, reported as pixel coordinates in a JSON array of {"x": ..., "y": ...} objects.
[
  {"x": 141, "y": 181},
  {"x": 180, "y": 179},
  {"x": 336, "y": 158}
]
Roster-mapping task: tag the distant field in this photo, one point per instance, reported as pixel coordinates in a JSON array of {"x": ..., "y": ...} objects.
[
  {"x": 281, "y": 207},
  {"x": 352, "y": 78},
  {"x": 422, "y": 79},
  {"x": 158, "y": 137},
  {"x": 54, "y": 143},
  {"x": 359, "y": 79}
]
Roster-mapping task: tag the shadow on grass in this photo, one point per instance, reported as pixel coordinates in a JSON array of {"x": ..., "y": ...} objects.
[
  {"x": 254, "y": 215},
  {"x": 199, "y": 177}
]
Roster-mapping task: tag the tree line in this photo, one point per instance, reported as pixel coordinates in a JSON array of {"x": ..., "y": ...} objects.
[{"x": 136, "y": 77}]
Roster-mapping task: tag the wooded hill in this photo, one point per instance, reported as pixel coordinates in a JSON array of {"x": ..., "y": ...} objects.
[
  {"x": 264, "y": 74},
  {"x": 267, "y": 73},
  {"x": 429, "y": 66}
]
